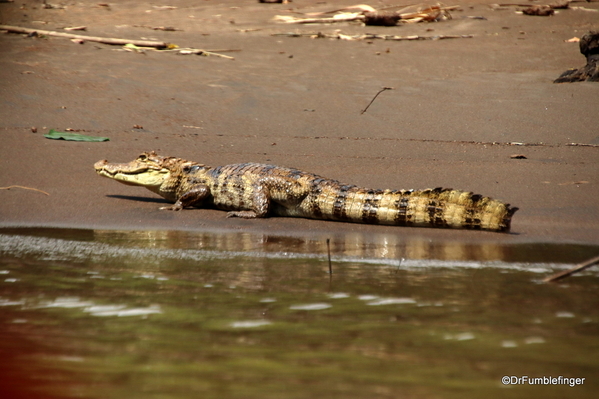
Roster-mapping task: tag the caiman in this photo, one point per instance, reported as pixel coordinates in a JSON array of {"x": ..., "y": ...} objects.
[{"x": 252, "y": 190}]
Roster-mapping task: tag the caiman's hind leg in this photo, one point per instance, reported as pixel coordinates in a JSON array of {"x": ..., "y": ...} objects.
[
  {"x": 193, "y": 197},
  {"x": 260, "y": 203}
]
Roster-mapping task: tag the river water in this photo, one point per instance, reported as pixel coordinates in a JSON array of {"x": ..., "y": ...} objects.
[{"x": 171, "y": 314}]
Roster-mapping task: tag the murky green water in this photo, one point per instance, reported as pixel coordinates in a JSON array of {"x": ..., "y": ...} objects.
[{"x": 103, "y": 314}]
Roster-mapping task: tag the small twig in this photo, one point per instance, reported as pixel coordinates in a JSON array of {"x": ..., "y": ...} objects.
[
  {"x": 186, "y": 51},
  {"x": 399, "y": 265},
  {"x": 416, "y": 37},
  {"x": 374, "y": 98},
  {"x": 575, "y": 269},
  {"x": 329, "y": 252},
  {"x": 23, "y": 187},
  {"x": 513, "y": 5},
  {"x": 581, "y": 145}
]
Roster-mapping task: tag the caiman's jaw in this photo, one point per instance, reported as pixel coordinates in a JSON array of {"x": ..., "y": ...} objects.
[
  {"x": 135, "y": 173},
  {"x": 149, "y": 170}
]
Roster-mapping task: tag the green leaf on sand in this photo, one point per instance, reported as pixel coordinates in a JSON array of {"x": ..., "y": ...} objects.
[{"x": 53, "y": 134}]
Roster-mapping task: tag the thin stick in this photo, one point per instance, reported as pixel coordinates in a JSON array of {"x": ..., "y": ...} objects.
[
  {"x": 23, "y": 187},
  {"x": 417, "y": 37},
  {"x": 569, "y": 272},
  {"x": 399, "y": 265},
  {"x": 370, "y": 36},
  {"x": 105, "y": 40},
  {"x": 329, "y": 251},
  {"x": 185, "y": 51},
  {"x": 374, "y": 98}
]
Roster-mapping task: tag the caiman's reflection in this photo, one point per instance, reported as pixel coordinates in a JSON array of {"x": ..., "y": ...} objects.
[{"x": 355, "y": 245}]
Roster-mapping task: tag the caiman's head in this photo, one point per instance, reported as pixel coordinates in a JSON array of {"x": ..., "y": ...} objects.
[{"x": 159, "y": 174}]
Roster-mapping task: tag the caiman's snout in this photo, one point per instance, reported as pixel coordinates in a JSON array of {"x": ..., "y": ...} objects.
[
  {"x": 98, "y": 166},
  {"x": 143, "y": 171}
]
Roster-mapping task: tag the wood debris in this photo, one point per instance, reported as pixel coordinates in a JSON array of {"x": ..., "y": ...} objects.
[
  {"x": 71, "y": 28},
  {"x": 541, "y": 11},
  {"x": 161, "y": 8},
  {"x": 374, "y": 98},
  {"x": 371, "y": 16},
  {"x": 162, "y": 28},
  {"x": 197, "y": 51},
  {"x": 128, "y": 44},
  {"x": 370, "y": 36},
  {"x": 50, "y": 6},
  {"x": 105, "y": 40}
]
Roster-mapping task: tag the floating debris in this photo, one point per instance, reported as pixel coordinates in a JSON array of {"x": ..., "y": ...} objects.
[
  {"x": 391, "y": 301},
  {"x": 310, "y": 306},
  {"x": 250, "y": 323}
]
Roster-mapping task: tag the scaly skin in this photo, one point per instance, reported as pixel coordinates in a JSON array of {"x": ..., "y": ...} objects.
[{"x": 253, "y": 190}]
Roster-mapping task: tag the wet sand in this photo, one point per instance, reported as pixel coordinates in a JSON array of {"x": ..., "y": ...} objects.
[{"x": 456, "y": 109}]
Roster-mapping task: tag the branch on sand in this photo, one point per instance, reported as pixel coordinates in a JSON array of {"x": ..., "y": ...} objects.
[
  {"x": 374, "y": 98},
  {"x": 105, "y": 40},
  {"x": 370, "y": 36},
  {"x": 371, "y": 16},
  {"x": 132, "y": 45}
]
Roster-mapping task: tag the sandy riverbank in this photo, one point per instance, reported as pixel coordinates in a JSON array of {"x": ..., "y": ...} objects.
[{"x": 296, "y": 101}]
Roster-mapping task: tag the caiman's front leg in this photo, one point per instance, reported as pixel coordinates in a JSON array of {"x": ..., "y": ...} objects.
[
  {"x": 260, "y": 205},
  {"x": 192, "y": 197}
]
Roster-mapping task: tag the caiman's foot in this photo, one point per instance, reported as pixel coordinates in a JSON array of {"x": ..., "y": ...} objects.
[
  {"x": 242, "y": 214},
  {"x": 176, "y": 207}
]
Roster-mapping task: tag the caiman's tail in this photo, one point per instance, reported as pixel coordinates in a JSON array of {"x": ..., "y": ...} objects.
[{"x": 439, "y": 207}]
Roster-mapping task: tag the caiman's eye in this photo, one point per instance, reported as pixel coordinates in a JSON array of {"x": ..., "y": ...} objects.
[
  {"x": 186, "y": 169},
  {"x": 142, "y": 157}
]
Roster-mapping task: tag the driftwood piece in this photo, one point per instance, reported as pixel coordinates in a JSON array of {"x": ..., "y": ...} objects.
[
  {"x": 197, "y": 51},
  {"x": 105, "y": 40},
  {"x": 370, "y": 16},
  {"x": 381, "y": 18},
  {"x": 578, "y": 268},
  {"x": 541, "y": 11},
  {"x": 417, "y": 37},
  {"x": 589, "y": 47},
  {"x": 370, "y": 36}
]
